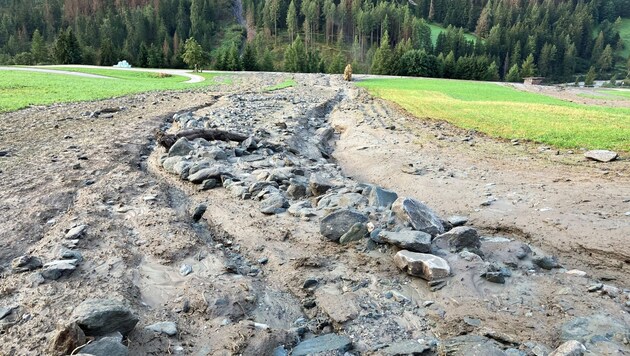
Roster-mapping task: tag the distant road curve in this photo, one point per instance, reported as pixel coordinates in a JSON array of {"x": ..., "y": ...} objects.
[{"x": 193, "y": 78}]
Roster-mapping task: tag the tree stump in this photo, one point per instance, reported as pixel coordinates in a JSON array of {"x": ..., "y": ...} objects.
[{"x": 347, "y": 73}]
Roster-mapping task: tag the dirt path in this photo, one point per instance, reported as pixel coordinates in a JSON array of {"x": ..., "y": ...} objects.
[{"x": 265, "y": 283}]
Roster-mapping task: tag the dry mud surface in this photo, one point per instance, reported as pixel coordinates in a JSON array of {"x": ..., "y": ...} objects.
[{"x": 270, "y": 283}]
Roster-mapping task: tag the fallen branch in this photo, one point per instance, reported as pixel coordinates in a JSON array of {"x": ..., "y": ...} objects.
[{"x": 167, "y": 140}]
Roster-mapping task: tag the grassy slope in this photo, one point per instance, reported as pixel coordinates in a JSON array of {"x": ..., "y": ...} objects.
[
  {"x": 624, "y": 32},
  {"x": 286, "y": 84},
  {"x": 508, "y": 113},
  {"x": 21, "y": 89},
  {"x": 437, "y": 29}
]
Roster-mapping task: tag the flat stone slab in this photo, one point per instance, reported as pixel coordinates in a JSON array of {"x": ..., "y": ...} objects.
[
  {"x": 103, "y": 316},
  {"x": 422, "y": 265},
  {"x": 328, "y": 342},
  {"x": 416, "y": 241},
  {"x": 601, "y": 155}
]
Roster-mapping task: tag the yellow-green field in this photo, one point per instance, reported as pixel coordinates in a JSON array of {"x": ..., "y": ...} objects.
[
  {"x": 20, "y": 89},
  {"x": 508, "y": 113}
]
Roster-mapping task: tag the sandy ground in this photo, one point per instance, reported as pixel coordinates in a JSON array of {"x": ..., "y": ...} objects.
[{"x": 65, "y": 168}]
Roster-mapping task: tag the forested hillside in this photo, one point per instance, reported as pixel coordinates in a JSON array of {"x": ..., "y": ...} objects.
[{"x": 484, "y": 39}]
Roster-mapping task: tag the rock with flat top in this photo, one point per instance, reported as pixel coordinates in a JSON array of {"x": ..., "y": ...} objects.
[
  {"x": 382, "y": 197},
  {"x": 601, "y": 155},
  {"x": 103, "y": 316},
  {"x": 166, "y": 327},
  {"x": 423, "y": 265},
  {"x": 416, "y": 241},
  {"x": 331, "y": 343},
  {"x": 418, "y": 215},
  {"x": 76, "y": 232},
  {"x": 461, "y": 237},
  {"x": 181, "y": 148},
  {"x": 319, "y": 185}
]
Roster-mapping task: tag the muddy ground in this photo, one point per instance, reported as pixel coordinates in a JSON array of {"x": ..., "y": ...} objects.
[{"x": 65, "y": 166}]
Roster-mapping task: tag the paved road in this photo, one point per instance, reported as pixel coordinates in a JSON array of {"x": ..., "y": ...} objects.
[{"x": 193, "y": 78}]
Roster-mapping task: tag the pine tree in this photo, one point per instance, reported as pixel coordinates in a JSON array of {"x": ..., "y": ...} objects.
[
  {"x": 108, "y": 55},
  {"x": 528, "y": 69},
  {"x": 266, "y": 64},
  {"x": 193, "y": 54},
  {"x": 39, "y": 50},
  {"x": 605, "y": 61},
  {"x": 382, "y": 57},
  {"x": 249, "y": 58},
  {"x": 513, "y": 75},
  {"x": 233, "y": 59},
  {"x": 492, "y": 74},
  {"x": 66, "y": 49},
  {"x": 589, "y": 80},
  {"x": 292, "y": 22}
]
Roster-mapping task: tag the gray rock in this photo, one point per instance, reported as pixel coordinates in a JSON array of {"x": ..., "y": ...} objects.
[
  {"x": 301, "y": 209},
  {"x": 546, "y": 262},
  {"x": 275, "y": 203},
  {"x": 207, "y": 173},
  {"x": 6, "y": 311},
  {"x": 66, "y": 254},
  {"x": 416, "y": 241},
  {"x": 106, "y": 346},
  {"x": 418, "y": 215},
  {"x": 199, "y": 211},
  {"x": 103, "y": 316},
  {"x": 249, "y": 144},
  {"x": 461, "y": 237},
  {"x": 594, "y": 328},
  {"x": 296, "y": 191},
  {"x": 280, "y": 351},
  {"x": 382, "y": 197},
  {"x": 472, "y": 345},
  {"x": 181, "y": 148},
  {"x": 319, "y": 185},
  {"x": 25, "y": 264},
  {"x": 357, "y": 232},
  {"x": 57, "y": 269},
  {"x": 569, "y": 348},
  {"x": 422, "y": 265},
  {"x": 209, "y": 184},
  {"x": 457, "y": 220},
  {"x": 76, "y": 232},
  {"x": 325, "y": 343},
  {"x": 334, "y": 225},
  {"x": 410, "y": 347},
  {"x": 494, "y": 277},
  {"x": 169, "y": 163},
  {"x": 185, "y": 269},
  {"x": 166, "y": 327},
  {"x": 601, "y": 155}
]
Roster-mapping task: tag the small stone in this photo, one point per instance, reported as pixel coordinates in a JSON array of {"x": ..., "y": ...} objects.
[
  {"x": 207, "y": 173},
  {"x": 67, "y": 338},
  {"x": 576, "y": 272},
  {"x": 310, "y": 283},
  {"x": 249, "y": 144},
  {"x": 461, "y": 237},
  {"x": 319, "y": 185},
  {"x": 331, "y": 343},
  {"x": 106, "y": 346},
  {"x": 76, "y": 232},
  {"x": 472, "y": 321},
  {"x": 357, "y": 232},
  {"x": 296, "y": 191},
  {"x": 275, "y": 203},
  {"x": 382, "y": 197},
  {"x": 57, "y": 269},
  {"x": 595, "y": 288},
  {"x": 336, "y": 224},
  {"x": 410, "y": 347},
  {"x": 546, "y": 262},
  {"x": 610, "y": 291},
  {"x": 199, "y": 211},
  {"x": 185, "y": 270},
  {"x": 418, "y": 215},
  {"x": 457, "y": 220},
  {"x": 6, "y": 311},
  {"x": 167, "y": 327},
  {"x": 103, "y": 316},
  {"x": 601, "y": 155},
  {"x": 422, "y": 265},
  {"x": 494, "y": 277},
  {"x": 416, "y": 241},
  {"x": 25, "y": 264},
  {"x": 181, "y": 148},
  {"x": 263, "y": 260},
  {"x": 569, "y": 348},
  {"x": 209, "y": 184}
]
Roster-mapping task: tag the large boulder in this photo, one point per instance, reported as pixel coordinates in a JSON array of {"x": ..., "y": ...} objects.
[
  {"x": 422, "y": 265},
  {"x": 103, "y": 316},
  {"x": 325, "y": 343},
  {"x": 416, "y": 241},
  {"x": 420, "y": 216},
  {"x": 336, "y": 224}
]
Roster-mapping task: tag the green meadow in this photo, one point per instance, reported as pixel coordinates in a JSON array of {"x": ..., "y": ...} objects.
[{"x": 508, "y": 113}]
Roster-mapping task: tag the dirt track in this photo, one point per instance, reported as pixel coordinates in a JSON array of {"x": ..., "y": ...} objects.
[{"x": 64, "y": 168}]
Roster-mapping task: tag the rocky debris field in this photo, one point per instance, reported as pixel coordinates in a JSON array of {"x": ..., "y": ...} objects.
[{"x": 233, "y": 221}]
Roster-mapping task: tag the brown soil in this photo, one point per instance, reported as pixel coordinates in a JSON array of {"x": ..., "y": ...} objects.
[{"x": 140, "y": 231}]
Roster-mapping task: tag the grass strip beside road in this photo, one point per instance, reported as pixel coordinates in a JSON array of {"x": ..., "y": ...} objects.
[{"x": 508, "y": 113}]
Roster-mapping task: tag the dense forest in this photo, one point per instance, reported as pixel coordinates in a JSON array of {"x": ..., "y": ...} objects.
[{"x": 480, "y": 39}]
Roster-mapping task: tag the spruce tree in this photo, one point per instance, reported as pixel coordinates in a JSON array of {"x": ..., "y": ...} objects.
[
  {"x": 528, "y": 69},
  {"x": 233, "y": 59},
  {"x": 39, "y": 50},
  {"x": 589, "y": 80},
  {"x": 249, "y": 58},
  {"x": 382, "y": 57},
  {"x": 513, "y": 75},
  {"x": 292, "y": 22}
]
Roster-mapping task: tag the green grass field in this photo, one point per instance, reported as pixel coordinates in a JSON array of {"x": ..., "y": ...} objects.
[
  {"x": 286, "y": 84},
  {"x": 19, "y": 89},
  {"x": 508, "y": 113},
  {"x": 624, "y": 32}
]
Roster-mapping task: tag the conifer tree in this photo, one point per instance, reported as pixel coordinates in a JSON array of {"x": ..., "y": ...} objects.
[
  {"x": 528, "y": 69},
  {"x": 292, "y": 22},
  {"x": 513, "y": 75},
  {"x": 382, "y": 57},
  {"x": 39, "y": 50},
  {"x": 249, "y": 58},
  {"x": 193, "y": 54},
  {"x": 589, "y": 80}
]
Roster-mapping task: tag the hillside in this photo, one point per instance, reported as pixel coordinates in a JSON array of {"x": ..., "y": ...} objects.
[{"x": 481, "y": 40}]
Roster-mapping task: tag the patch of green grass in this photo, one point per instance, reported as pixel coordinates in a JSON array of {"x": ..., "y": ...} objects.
[
  {"x": 286, "y": 84},
  {"x": 20, "y": 89},
  {"x": 508, "y": 113},
  {"x": 624, "y": 33},
  {"x": 437, "y": 29}
]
